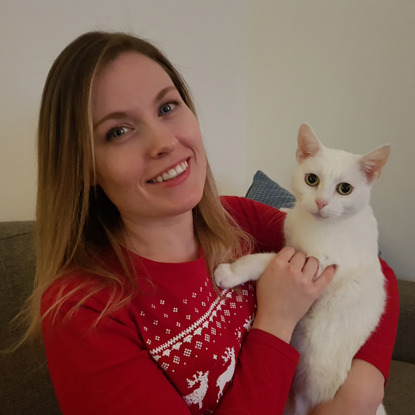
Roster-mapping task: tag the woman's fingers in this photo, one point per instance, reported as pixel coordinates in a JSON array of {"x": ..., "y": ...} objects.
[
  {"x": 311, "y": 266},
  {"x": 325, "y": 278},
  {"x": 286, "y": 253},
  {"x": 299, "y": 261}
]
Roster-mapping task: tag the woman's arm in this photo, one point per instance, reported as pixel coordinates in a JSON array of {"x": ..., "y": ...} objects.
[
  {"x": 378, "y": 348},
  {"x": 262, "y": 377},
  {"x": 360, "y": 394}
]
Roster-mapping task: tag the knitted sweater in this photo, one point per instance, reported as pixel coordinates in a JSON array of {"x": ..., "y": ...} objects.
[{"x": 178, "y": 347}]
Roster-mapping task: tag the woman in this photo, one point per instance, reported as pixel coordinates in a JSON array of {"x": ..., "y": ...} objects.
[{"x": 130, "y": 229}]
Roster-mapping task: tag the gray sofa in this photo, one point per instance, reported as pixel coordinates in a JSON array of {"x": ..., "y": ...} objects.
[{"x": 25, "y": 386}]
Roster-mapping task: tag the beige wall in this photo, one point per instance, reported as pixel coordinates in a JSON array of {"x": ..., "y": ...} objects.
[
  {"x": 347, "y": 68},
  {"x": 203, "y": 38},
  {"x": 257, "y": 69}
]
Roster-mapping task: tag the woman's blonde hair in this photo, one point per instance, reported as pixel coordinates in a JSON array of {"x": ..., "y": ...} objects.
[{"x": 76, "y": 223}]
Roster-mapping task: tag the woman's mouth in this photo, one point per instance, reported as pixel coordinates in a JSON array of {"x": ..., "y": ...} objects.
[{"x": 171, "y": 173}]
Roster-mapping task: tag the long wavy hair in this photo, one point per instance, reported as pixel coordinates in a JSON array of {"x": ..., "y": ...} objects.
[{"x": 76, "y": 223}]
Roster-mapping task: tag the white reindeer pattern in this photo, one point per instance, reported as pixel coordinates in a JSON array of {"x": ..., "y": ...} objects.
[
  {"x": 197, "y": 396},
  {"x": 227, "y": 375}
]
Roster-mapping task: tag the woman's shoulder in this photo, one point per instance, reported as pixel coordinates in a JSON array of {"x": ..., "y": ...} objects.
[
  {"x": 242, "y": 205},
  {"x": 263, "y": 222},
  {"x": 78, "y": 289}
]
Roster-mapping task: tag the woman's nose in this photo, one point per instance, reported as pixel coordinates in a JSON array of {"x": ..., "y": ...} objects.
[{"x": 161, "y": 141}]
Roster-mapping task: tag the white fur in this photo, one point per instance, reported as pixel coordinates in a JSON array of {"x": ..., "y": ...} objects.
[{"x": 343, "y": 233}]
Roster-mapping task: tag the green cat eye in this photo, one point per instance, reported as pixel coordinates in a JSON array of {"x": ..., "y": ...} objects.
[
  {"x": 312, "y": 179},
  {"x": 344, "y": 189}
]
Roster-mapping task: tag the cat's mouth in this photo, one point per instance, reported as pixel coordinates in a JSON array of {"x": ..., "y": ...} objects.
[
  {"x": 325, "y": 215},
  {"x": 320, "y": 215}
]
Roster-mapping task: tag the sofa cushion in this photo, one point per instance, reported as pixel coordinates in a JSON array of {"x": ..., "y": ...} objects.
[
  {"x": 25, "y": 386},
  {"x": 399, "y": 392},
  {"x": 265, "y": 190}
]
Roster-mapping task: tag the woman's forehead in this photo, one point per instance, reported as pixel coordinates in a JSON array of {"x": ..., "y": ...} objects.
[
  {"x": 130, "y": 77},
  {"x": 132, "y": 66}
]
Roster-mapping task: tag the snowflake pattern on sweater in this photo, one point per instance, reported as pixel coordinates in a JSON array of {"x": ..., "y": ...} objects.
[{"x": 195, "y": 335}]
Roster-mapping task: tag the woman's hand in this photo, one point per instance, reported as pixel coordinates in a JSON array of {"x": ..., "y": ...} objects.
[{"x": 286, "y": 290}]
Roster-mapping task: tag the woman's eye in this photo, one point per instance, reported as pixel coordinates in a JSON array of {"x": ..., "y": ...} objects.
[
  {"x": 116, "y": 132},
  {"x": 312, "y": 179},
  {"x": 167, "y": 108},
  {"x": 344, "y": 189}
]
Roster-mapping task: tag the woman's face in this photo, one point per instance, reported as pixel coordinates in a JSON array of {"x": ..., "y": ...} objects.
[{"x": 149, "y": 156}]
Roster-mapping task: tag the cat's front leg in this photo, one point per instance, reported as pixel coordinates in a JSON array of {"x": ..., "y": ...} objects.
[{"x": 244, "y": 269}]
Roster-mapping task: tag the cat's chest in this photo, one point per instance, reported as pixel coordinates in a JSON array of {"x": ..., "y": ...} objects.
[{"x": 343, "y": 242}]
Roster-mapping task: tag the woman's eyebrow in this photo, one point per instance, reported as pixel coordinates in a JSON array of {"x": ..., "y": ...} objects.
[
  {"x": 119, "y": 114},
  {"x": 163, "y": 92},
  {"x": 111, "y": 116}
]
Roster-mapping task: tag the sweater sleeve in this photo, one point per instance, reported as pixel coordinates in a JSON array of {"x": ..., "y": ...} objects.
[
  {"x": 262, "y": 378},
  {"x": 264, "y": 223}
]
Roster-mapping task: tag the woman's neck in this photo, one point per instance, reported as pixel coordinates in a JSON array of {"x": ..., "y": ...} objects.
[{"x": 168, "y": 240}]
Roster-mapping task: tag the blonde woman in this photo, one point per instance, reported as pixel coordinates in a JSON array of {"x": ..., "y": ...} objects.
[{"x": 130, "y": 229}]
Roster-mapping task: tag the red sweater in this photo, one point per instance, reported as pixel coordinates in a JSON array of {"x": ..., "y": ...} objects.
[{"x": 178, "y": 348}]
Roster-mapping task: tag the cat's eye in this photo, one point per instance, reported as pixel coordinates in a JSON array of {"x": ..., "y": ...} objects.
[
  {"x": 312, "y": 179},
  {"x": 344, "y": 189}
]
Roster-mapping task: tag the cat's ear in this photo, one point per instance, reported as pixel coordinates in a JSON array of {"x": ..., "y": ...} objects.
[
  {"x": 371, "y": 164},
  {"x": 308, "y": 143}
]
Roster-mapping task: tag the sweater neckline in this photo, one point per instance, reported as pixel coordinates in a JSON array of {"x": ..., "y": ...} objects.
[{"x": 152, "y": 263}]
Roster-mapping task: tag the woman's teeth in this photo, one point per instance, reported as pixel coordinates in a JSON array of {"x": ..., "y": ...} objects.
[{"x": 172, "y": 173}]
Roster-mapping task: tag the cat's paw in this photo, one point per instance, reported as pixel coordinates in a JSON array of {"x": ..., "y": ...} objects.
[{"x": 225, "y": 277}]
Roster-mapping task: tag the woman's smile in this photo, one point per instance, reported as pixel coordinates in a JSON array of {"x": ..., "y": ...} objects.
[{"x": 171, "y": 173}]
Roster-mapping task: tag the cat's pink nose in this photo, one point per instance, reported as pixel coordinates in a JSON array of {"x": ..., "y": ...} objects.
[{"x": 321, "y": 203}]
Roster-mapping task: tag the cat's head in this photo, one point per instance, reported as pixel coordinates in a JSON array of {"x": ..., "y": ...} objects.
[{"x": 333, "y": 184}]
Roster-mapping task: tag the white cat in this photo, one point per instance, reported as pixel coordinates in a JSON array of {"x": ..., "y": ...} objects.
[{"x": 332, "y": 221}]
